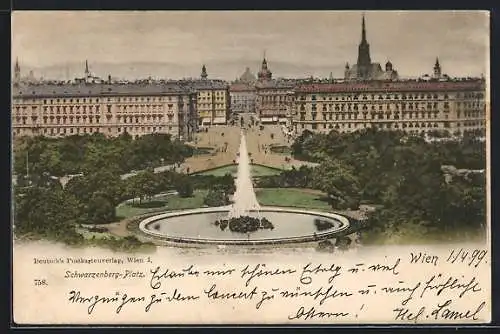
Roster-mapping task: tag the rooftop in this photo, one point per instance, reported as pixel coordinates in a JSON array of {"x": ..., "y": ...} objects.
[
  {"x": 408, "y": 85},
  {"x": 129, "y": 88},
  {"x": 280, "y": 83},
  {"x": 241, "y": 87}
]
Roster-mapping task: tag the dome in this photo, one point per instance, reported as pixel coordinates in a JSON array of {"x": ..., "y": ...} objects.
[{"x": 247, "y": 76}]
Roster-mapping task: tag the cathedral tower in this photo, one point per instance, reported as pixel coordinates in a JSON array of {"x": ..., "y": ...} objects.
[
  {"x": 364, "y": 60},
  {"x": 87, "y": 71},
  {"x": 17, "y": 72}
]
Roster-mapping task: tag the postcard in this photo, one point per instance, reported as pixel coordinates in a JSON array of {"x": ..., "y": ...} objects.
[{"x": 250, "y": 167}]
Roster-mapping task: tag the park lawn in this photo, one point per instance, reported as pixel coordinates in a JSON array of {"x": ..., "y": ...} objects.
[
  {"x": 173, "y": 202},
  {"x": 257, "y": 171},
  {"x": 291, "y": 197},
  {"x": 232, "y": 169},
  {"x": 281, "y": 149}
]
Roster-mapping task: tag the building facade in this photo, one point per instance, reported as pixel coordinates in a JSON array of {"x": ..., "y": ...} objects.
[
  {"x": 242, "y": 97},
  {"x": 413, "y": 106},
  {"x": 274, "y": 97},
  {"x": 275, "y": 101},
  {"x": 110, "y": 109},
  {"x": 213, "y": 100},
  {"x": 243, "y": 93}
]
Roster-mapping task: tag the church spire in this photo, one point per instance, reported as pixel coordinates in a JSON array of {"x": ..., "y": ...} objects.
[
  {"x": 87, "y": 72},
  {"x": 17, "y": 72},
  {"x": 364, "y": 61},
  {"x": 363, "y": 30}
]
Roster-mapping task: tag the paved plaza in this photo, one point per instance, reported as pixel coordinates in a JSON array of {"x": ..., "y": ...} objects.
[{"x": 225, "y": 141}]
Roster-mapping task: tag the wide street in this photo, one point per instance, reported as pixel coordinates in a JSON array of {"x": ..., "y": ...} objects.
[{"x": 225, "y": 139}]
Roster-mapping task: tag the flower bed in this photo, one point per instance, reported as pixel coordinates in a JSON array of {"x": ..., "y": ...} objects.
[{"x": 244, "y": 224}]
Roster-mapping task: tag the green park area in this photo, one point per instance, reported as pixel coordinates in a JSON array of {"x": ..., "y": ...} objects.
[
  {"x": 161, "y": 203},
  {"x": 292, "y": 197},
  {"x": 286, "y": 197},
  {"x": 257, "y": 171},
  {"x": 417, "y": 198}
]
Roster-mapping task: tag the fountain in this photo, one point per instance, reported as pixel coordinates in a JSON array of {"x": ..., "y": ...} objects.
[
  {"x": 244, "y": 199},
  {"x": 241, "y": 217},
  {"x": 244, "y": 222}
]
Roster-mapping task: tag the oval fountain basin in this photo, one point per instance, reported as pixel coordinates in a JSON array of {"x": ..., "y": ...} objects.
[{"x": 197, "y": 226}]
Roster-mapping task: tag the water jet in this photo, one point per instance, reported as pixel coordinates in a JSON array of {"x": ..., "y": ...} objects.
[{"x": 244, "y": 222}]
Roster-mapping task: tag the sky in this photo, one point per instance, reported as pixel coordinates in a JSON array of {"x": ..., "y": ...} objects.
[{"x": 296, "y": 43}]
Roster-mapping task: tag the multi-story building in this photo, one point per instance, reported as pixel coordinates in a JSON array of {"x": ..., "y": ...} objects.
[
  {"x": 370, "y": 97},
  {"x": 414, "y": 106},
  {"x": 112, "y": 109},
  {"x": 213, "y": 101},
  {"x": 242, "y": 92},
  {"x": 275, "y": 98},
  {"x": 242, "y": 98}
]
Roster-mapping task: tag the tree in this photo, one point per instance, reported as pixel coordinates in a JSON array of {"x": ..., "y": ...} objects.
[
  {"x": 226, "y": 183},
  {"x": 184, "y": 186},
  {"x": 465, "y": 209},
  {"x": 106, "y": 181},
  {"x": 216, "y": 197},
  {"x": 46, "y": 212},
  {"x": 338, "y": 181},
  {"x": 100, "y": 209},
  {"x": 77, "y": 187},
  {"x": 146, "y": 184},
  {"x": 98, "y": 193}
]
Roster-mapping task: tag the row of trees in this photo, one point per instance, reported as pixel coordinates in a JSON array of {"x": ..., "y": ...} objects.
[
  {"x": 44, "y": 209},
  {"x": 48, "y": 210},
  {"x": 401, "y": 174},
  {"x": 90, "y": 153},
  {"x": 468, "y": 152}
]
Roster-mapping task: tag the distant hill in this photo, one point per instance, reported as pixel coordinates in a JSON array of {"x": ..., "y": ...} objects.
[{"x": 217, "y": 70}]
